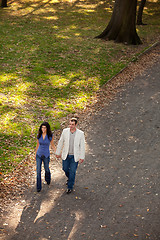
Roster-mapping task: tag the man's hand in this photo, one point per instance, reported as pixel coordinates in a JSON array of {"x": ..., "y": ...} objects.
[
  {"x": 81, "y": 160},
  {"x": 58, "y": 156}
]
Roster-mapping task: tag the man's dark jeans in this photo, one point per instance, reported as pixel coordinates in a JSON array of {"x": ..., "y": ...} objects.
[
  {"x": 70, "y": 167},
  {"x": 39, "y": 161}
]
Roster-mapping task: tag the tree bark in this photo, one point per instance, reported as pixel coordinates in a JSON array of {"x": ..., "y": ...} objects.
[
  {"x": 122, "y": 26},
  {"x": 140, "y": 12},
  {"x": 4, "y": 3}
]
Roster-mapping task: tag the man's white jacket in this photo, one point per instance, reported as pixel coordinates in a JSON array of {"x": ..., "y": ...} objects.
[{"x": 79, "y": 144}]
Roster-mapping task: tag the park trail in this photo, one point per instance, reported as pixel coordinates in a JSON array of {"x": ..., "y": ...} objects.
[{"x": 116, "y": 194}]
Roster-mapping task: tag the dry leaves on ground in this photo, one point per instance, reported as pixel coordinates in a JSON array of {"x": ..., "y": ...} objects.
[{"x": 16, "y": 182}]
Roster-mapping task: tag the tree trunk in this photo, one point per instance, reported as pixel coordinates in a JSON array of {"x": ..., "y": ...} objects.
[
  {"x": 122, "y": 26},
  {"x": 140, "y": 12},
  {"x": 4, "y": 3}
]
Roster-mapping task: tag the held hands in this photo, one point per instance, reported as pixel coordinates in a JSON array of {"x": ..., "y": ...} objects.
[{"x": 58, "y": 156}]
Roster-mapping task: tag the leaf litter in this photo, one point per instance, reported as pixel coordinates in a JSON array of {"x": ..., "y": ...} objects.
[{"x": 15, "y": 183}]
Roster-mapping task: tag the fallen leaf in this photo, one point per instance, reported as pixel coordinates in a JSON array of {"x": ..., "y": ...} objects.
[
  {"x": 148, "y": 234},
  {"x": 101, "y": 209},
  {"x": 135, "y": 235},
  {"x": 83, "y": 234},
  {"x": 5, "y": 224},
  {"x": 103, "y": 226}
]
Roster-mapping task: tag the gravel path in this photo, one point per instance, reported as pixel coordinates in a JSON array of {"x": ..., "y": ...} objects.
[{"x": 117, "y": 194}]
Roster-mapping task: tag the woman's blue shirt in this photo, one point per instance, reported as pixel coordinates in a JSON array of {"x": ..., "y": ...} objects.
[{"x": 43, "y": 148}]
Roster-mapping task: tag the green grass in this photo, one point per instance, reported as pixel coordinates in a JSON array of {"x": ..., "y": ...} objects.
[{"x": 51, "y": 65}]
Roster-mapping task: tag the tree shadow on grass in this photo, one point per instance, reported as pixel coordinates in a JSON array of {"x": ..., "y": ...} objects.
[{"x": 57, "y": 38}]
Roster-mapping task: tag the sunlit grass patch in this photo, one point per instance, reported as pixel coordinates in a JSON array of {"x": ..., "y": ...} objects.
[
  {"x": 58, "y": 81},
  {"x": 51, "y": 65}
]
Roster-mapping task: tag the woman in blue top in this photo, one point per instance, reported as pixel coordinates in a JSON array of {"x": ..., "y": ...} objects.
[{"x": 44, "y": 139}]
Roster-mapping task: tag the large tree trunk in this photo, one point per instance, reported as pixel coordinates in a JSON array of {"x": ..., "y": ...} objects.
[
  {"x": 122, "y": 26},
  {"x": 140, "y": 12},
  {"x": 4, "y": 3}
]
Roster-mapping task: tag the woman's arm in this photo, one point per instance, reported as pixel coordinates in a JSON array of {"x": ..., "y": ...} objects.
[
  {"x": 52, "y": 144},
  {"x": 37, "y": 146}
]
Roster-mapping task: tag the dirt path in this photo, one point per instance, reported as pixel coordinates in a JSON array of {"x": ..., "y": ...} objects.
[{"x": 116, "y": 193}]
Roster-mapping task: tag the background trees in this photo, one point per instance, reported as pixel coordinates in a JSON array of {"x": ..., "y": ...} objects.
[
  {"x": 140, "y": 12},
  {"x": 122, "y": 26},
  {"x": 4, "y": 3}
]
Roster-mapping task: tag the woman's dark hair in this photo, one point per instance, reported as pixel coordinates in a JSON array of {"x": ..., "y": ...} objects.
[{"x": 49, "y": 132}]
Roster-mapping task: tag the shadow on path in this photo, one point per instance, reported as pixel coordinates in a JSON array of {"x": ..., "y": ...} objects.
[{"x": 117, "y": 189}]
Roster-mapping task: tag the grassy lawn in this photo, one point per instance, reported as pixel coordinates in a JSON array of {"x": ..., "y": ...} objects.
[{"x": 51, "y": 65}]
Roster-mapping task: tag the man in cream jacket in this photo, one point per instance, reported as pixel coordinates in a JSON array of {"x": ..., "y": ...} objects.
[{"x": 72, "y": 146}]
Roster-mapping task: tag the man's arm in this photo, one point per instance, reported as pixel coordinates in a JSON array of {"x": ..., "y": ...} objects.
[
  {"x": 60, "y": 145},
  {"x": 82, "y": 148}
]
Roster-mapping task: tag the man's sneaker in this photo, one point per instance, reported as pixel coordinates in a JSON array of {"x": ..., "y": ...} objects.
[{"x": 69, "y": 191}]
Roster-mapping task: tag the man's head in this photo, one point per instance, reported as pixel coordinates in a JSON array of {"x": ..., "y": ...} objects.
[{"x": 73, "y": 124}]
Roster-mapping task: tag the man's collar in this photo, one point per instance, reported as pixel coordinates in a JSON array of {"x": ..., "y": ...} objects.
[{"x": 74, "y": 131}]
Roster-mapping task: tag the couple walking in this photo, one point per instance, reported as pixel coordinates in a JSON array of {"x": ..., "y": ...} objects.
[{"x": 71, "y": 147}]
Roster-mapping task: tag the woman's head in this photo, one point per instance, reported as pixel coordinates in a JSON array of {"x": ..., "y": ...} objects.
[{"x": 45, "y": 128}]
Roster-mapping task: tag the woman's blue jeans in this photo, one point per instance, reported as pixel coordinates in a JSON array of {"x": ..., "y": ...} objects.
[
  {"x": 70, "y": 167},
  {"x": 39, "y": 161}
]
